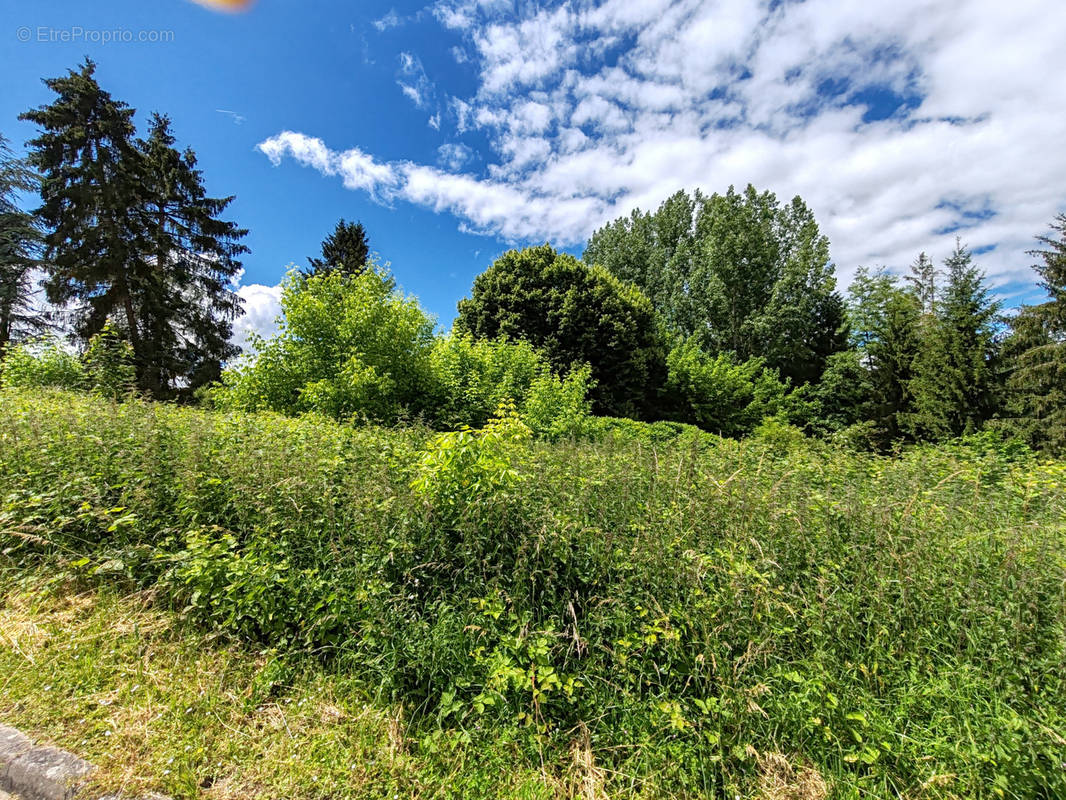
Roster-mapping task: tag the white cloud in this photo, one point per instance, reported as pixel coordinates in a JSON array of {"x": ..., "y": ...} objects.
[
  {"x": 593, "y": 108},
  {"x": 414, "y": 82},
  {"x": 453, "y": 156},
  {"x": 390, "y": 20},
  {"x": 357, "y": 169},
  {"x": 262, "y": 305}
]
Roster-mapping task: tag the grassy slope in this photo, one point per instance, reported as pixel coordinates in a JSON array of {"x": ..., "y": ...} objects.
[
  {"x": 638, "y": 617},
  {"x": 161, "y": 706}
]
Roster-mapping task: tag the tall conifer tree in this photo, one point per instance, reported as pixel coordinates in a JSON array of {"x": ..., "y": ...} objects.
[
  {"x": 88, "y": 165},
  {"x": 954, "y": 386},
  {"x": 1036, "y": 351},
  {"x": 19, "y": 242},
  {"x": 187, "y": 312},
  {"x": 132, "y": 237}
]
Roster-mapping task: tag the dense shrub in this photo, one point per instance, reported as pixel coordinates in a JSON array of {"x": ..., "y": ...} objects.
[
  {"x": 692, "y": 603},
  {"x": 105, "y": 368},
  {"x": 718, "y": 393},
  {"x": 41, "y": 364},
  {"x": 472, "y": 377},
  {"x": 349, "y": 345},
  {"x": 575, "y": 314}
]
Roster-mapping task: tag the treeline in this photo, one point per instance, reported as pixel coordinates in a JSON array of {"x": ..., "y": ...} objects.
[{"x": 720, "y": 311}]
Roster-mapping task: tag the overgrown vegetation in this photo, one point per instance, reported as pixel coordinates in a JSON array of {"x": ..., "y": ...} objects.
[{"x": 684, "y": 610}]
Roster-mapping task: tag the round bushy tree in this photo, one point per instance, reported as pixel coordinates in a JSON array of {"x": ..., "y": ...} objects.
[{"x": 576, "y": 314}]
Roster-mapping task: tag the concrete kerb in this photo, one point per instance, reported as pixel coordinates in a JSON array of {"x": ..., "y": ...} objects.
[{"x": 32, "y": 772}]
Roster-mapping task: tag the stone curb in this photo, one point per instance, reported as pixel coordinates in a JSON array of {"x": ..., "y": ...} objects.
[{"x": 32, "y": 772}]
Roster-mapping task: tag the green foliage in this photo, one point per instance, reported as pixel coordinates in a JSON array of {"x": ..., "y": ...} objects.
[
  {"x": 692, "y": 602},
  {"x": 954, "y": 387},
  {"x": 841, "y": 399},
  {"x": 687, "y": 600},
  {"x": 41, "y": 364},
  {"x": 346, "y": 249},
  {"x": 474, "y": 376},
  {"x": 130, "y": 235},
  {"x": 885, "y": 328},
  {"x": 109, "y": 368},
  {"x": 738, "y": 271},
  {"x": 349, "y": 346},
  {"x": 576, "y": 315},
  {"x": 720, "y": 395},
  {"x": 462, "y": 469},
  {"x": 19, "y": 243},
  {"x": 1035, "y": 353}
]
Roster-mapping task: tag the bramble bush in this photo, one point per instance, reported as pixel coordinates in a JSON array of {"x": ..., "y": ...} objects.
[{"x": 692, "y": 604}]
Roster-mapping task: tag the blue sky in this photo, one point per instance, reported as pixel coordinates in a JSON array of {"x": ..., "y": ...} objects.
[{"x": 458, "y": 128}]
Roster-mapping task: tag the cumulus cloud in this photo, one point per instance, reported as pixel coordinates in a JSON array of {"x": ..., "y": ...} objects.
[
  {"x": 901, "y": 122},
  {"x": 357, "y": 169},
  {"x": 262, "y": 305}
]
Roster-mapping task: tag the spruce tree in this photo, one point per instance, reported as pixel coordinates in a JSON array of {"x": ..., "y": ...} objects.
[
  {"x": 19, "y": 241},
  {"x": 1036, "y": 351},
  {"x": 87, "y": 161},
  {"x": 923, "y": 282},
  {"x": 186, "y": 313},
  {"x": 132, "y": 238},
  {"x": 346, "y": 249},
  {"x": 885, "y": 326},
  {"x": 954, "y": 388}
]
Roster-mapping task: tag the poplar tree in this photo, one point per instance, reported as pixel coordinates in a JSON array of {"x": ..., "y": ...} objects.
[{"x": 738, "y": 272}]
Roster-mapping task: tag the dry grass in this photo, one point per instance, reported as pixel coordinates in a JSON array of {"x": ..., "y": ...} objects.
[{"x": 782, "y": 779}]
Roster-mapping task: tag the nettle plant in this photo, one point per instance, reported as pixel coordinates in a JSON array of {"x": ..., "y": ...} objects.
[{"x": 463, "y": 471}]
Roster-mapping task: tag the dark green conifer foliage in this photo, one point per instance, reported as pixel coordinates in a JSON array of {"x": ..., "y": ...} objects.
[
  {"x": 1036, "y": 351},
  {"x": 346, "y": 249},
  {"x": 88, "y": 165},
  {"x": 885, "y": 328},
  {"x": 954, "y": 385},
  {"x": 19, "y": 243},
  {"x": 132, "y": 237},
  {"x": 191, "y": 260}
]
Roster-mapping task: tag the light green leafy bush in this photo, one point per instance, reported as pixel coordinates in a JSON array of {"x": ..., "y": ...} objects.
[
  {"x": 348, "y": 346},
  {"x": 353, "y": 347},
  {"x": 719, "y": 394},
  {"x": 41, "y": 364}
]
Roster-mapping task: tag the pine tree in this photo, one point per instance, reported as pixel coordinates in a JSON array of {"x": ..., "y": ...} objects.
[
  {"x": 346, "y": 249},
  {"x": 1036, "y": 351},
  {"x": 954, "y": 388},
  {"x": 187, "y": 310},
  {"x": 87, "y": 161},
  {"x": 132, "y": 238},
  {"x": 19, "y": 241}
]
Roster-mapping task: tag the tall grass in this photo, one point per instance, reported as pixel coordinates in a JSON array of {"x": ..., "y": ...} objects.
[{"x": 689, "y": 612}]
